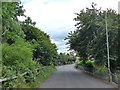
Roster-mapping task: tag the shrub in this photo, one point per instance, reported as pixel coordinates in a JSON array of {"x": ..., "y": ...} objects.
[
  {"x": 79, "y": 63},
  {"x": 118, "y": 76},
  {"x": 17, "y": 58},
  {"x": 32, "y": 80},
  {"x": 89, "y": 64},
  {"x": 103, "y": 71}
]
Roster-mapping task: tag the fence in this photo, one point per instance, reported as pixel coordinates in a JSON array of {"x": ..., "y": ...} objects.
[
  {"x": 11, "y": 78},
  {"x": 102, "y": 75},
  {"x": 26, "y": 78},
  {"x": 17, "y": 77}
]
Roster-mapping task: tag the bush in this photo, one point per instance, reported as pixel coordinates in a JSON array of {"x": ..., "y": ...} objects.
[
  {"x": 103, "y": 71},
  {"x": 118, "y": 76},
  {"x": 79, "y": 63},
  {"x": 32, "y": 80},
  {"x": 17, "y": 58},
  {"x": 89, "y": 64}
]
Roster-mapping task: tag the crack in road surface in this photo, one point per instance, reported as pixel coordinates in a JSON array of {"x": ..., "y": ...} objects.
[{"x": 68, "y": 77}]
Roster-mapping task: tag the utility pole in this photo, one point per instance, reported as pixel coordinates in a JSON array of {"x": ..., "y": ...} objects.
[
  {"x": 118, "y": 60},
  {"x": 108, "y": 53}
]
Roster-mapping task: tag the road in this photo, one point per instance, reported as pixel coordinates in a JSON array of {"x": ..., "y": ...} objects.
[{"x": 68, "y": 77}]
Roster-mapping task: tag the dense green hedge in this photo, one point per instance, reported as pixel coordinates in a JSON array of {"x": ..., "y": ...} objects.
[{"x": 17, "y": 58}]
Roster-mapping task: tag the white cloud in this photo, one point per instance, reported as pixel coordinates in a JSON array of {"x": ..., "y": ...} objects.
[{"x": 55, "y": 17}]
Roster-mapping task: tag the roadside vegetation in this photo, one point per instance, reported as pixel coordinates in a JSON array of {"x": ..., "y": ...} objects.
[
  {"x": 64, "y": 59},
  {"x": 89, "y": 40},
  {"x": 25, "y": 49}
]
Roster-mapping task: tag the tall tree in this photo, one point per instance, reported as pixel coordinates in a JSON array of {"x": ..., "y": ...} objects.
[
  {"x": 11, "y": 28},
  {"x": 89, "y": 38},
  {"x": 45, "y": 52}
]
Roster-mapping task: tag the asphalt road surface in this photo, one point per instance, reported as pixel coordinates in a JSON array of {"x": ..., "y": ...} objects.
[{"x": 68, "y": 77}]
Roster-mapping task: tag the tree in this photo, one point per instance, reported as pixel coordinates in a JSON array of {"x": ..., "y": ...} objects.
[
  {"x": 89, "y": 38},
  {"x": 65, "y": 59},
  {"x": 25, "y": 32},
  {"x": 44, "y": 51},
  {"x": 11, "y": 29},
  {"x": 118, "y": 46},
  {"x": 16, "y": 51}
]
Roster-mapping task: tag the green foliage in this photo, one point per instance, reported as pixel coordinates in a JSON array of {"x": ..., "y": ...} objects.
[
  {"x": 24, "y": 49},
  {"x": 89, "y": 64},
  {"x": 65, "y": 59},
  {"x": 14, "y": 59},
  {"x": 90, "y": 67},
  {"x": 102, "y": 71},
  {"x": 118, "y": 76},
  {"x": 10, "y": 25},
  {"x": 79, "y": 63},
  {"x": 89, "y": 38},
  {"x": 45, "y": 52},
  {"x": 31, "y": 80}
]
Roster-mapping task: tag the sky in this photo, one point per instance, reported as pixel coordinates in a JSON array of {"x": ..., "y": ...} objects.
[{"x": 55, "y": 17}]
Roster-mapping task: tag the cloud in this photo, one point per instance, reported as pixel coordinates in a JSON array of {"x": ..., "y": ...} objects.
[
  {"x": 56, "y": 1},
  {"x": 25, "y": 1},
  {"x": 62, "y": 47},
  {"x": 55, "y": 17}
]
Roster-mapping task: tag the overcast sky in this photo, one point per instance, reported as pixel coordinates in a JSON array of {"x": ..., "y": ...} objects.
[{"x": 55, "y": 17}]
